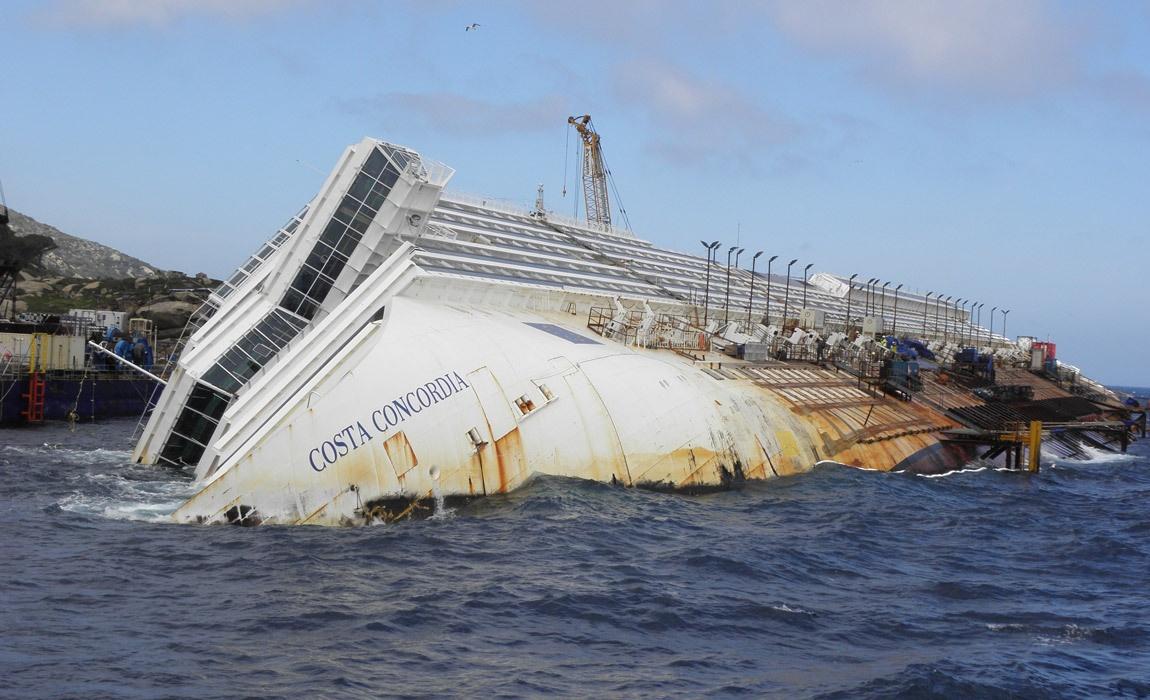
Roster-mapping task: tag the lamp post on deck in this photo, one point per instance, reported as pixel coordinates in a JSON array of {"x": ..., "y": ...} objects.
[
  {"x": 769, "y": 261},
  {"x": 925, "y": 313},
  {"x": 850, "y": 288},
  {"x": 882, "y": 301},
  {"x": 945, "y": 321},
  {"x": 978, "y": 323},
  {"x": 960, "y": 309},
  {"x": 867, "y": 295},
  {"x": 751, "y": 298},
  {"x": 894, "y": 323},
  {"x": 1004, "y": 312},
  {"x": 727, "y": 299},
  {"x": 710, "y": 247},
  {"x": 787, "y": 294},
  {"x": 991, "y": 340},
  {"x": 806, "y": 283},
  {"x": 957, "y": 329}
]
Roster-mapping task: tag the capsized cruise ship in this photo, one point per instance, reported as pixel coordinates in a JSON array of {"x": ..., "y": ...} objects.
[{"x": 395, "y": 342}]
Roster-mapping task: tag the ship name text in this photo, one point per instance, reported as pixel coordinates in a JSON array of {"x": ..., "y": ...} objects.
[{"x": 382, "y": 419}]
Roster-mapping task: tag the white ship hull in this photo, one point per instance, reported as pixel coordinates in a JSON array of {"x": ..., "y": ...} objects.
[{"x": 427, "y": 346}]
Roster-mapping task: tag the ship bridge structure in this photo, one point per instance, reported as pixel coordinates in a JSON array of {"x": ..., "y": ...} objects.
[{"x": 302, "y": 388}]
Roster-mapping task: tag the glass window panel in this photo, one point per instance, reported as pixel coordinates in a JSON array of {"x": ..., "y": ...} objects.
[
  {"x": 374, "y": 163},
  {"x": 375, "y": 200},
  {"x": 333, "y": 232},
  {"x": 361, "y": 186},
  {"x": 389, "y": 176},
  {"x": 304, "y": 278},
  {"x": 334, "y": 266},
  {"x": 207, "y": 401},
  {"x": 362, "y": 220},
  {"x": 195, "y": 426},
  {"x": 348, "y": 244},
  {"x": 348, "y": 206},
  {"x": 319, "y": 256},
  {"x": 320, "y": 289},
  {"x": 181, "y": 451},
  {"x": 400, "y": 158}
]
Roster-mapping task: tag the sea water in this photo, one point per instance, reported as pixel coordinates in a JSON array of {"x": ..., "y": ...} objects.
[{"x": 836, "y": 583}]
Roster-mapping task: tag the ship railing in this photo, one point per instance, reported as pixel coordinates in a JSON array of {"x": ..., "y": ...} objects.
[
  {"x": 601, "y": 320},
  {"x": 676, "y": 333}
]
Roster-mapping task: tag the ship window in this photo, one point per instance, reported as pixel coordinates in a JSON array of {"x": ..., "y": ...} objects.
[
  {"x": 195, "y": 427},
  {"x": 297, "y": 303},
  {"x": 525, "y": 404},
  {"x": 375, "y": 200},
  {"x": 333, "y": 233},
  {"x": 389, "y": 177},
  {"x": 374, "y": 163},
  {"x": 347, "y": 245},
  {"x": 362, "y": 219},
  {"x": 207, "y": 401},
  {"x": 347, "y": 209},
  {"x": 547, "y": 393},
  {"x": 334, "y": 266},
  {"x": 179, "y": 451},
  {"x": 400, "y": 158},
  {"x": 361, "y": 186}
]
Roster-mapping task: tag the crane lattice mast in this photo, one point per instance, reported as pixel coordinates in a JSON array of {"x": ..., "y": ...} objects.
[{"x": 598, "y": 208}]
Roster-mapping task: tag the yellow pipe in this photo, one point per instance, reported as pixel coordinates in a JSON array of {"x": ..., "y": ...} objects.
[{"x": 1035, "y": 444}]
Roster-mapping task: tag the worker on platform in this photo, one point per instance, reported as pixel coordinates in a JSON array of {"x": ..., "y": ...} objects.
[
  {"x": 123, "y": 348},
  {"x": 142, "y": 352}
]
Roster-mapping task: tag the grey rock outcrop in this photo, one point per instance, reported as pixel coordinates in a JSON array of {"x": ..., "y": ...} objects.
[{"x": 76, "y": 257}]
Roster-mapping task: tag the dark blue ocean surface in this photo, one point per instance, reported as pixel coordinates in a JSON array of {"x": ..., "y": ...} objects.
[{"x": 838, "y": 583}]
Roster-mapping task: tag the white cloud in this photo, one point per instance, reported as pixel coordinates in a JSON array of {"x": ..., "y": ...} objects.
[
  {"x": 698, "y": 119},
  {"x": 1014, "y": 48},
  {"x": 155, "y": 12}
]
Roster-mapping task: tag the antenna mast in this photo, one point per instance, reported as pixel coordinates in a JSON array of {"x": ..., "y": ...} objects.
[{"x": 598, "y": 208}]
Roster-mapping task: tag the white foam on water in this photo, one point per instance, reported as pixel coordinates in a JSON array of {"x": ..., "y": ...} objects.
[
  {"x": 783, "y": 607},
  {"x": 117, "y": 497},
  {"x": 1097, "y": 456},
  {"x": 953, "y": 472},
  {"x": 442, "y": 512}
]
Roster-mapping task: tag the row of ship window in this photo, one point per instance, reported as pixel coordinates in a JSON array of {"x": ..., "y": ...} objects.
[{"x": 309, "y": 288}]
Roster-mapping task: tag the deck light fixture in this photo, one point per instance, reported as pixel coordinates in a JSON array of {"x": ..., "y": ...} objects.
[
  {"x": 806, "y": 282},
  {"x": 850, "y": 288},
  {"x": 769, "y": 261},
  {"x": 751, "y": 298},
  {"x": 787, "y": 295},
  {"x": 707, "y": 289}
]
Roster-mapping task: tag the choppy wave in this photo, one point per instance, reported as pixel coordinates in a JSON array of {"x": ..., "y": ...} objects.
[{"x": 839, "y": 583}]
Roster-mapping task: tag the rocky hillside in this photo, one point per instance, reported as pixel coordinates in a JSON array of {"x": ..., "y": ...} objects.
[
  {"x": 78, "y": 258},
  {"x": 82, "y": 274}
]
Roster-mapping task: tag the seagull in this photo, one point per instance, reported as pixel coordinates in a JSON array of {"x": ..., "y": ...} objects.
[{"x": 471, "y": 26}]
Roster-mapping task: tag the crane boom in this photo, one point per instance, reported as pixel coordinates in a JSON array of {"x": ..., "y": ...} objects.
[{"x": 598, "y": 207}]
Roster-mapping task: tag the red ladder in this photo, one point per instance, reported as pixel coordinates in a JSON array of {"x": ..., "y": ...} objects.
[{"x": 35, "y": 411}]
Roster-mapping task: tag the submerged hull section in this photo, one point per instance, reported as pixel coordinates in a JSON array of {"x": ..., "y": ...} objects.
[{"x": 436, "y": 400}]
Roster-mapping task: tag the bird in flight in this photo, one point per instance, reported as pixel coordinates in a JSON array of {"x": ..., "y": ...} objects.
[{"x": 471, "y": 26}]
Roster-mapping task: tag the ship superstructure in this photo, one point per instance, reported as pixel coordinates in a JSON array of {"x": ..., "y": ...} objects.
[{"x": 396, "y": 340}]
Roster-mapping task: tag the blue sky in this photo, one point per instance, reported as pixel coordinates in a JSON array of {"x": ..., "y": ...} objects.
[{"x": 990, "y": 150}]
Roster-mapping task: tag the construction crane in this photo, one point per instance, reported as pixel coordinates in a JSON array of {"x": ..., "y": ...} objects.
[{"x": 598, "y": 208}]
